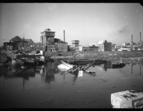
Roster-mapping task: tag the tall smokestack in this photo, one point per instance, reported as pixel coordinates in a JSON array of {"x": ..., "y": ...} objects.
[
  {"x": 132, "y": 42},
  {"x": 140, "y": 37},
  {"x": 132, "y": 38},
  {"x": 64, "y": 34}
]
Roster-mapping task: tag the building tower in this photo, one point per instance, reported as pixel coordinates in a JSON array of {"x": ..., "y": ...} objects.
[
  {"x": 47, "y": 37},
  {"x": 75, "y": 43}
]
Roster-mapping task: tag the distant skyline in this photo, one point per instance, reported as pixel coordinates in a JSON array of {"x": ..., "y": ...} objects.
[{"x": 86, "y": 22}]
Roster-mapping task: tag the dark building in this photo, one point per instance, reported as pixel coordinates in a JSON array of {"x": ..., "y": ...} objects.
[
  {"x": 39, "y": 46},
  {"x": 61, "y": 46},
  {"x": 104, "y": 45},
  {"x": 19, "y": 41},
  {"x": 28, "y": 44},
  {"x": 108, "y": 46},
  {"x": 23, "y": 44},
  {"x": 10, "y": 46}
]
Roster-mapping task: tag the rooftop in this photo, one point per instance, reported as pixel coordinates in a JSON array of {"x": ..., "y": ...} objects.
[
  {"x": 101, "y": 42},
  {"x": 93, "y": 44}
]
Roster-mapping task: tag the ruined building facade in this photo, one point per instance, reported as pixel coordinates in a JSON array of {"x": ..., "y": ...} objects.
[{"x": 51, "y": 43}]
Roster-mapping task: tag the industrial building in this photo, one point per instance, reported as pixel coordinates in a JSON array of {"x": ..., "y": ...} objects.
[
  {"x": 75, "y": 43},
  {"x": 140, "y": 43},
  {"x": 53, "y": 44},
  {"x": 47, "y": 37},
  {"x": 18, "y": 43},
  {"x": 104, "y": 45},
  {"x": 61, "y": 46}
]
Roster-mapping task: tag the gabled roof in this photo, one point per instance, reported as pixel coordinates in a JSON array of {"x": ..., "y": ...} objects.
[
  {"x": 16, "y": 39},
  {"x": 28, "y": 40}
]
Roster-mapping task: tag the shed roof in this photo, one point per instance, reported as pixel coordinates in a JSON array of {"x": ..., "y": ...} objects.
[{"x": 16, "y": 39}]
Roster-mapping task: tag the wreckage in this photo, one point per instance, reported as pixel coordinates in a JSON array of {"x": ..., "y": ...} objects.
[{"x": 70, "y": 68}]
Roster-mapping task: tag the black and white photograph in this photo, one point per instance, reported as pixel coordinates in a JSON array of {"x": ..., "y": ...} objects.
[{"x": 71, "y": 55}]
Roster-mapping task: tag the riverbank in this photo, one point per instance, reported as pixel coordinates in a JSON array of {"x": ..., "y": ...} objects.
[{"x": 132, "y": 55}]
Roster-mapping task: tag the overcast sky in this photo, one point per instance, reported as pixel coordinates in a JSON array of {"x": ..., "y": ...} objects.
[{"x": 86, "y": 22}]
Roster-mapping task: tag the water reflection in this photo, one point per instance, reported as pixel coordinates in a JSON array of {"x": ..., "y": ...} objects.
[
  {"x": 75, "y": 77},
  {"x": 79, "y": 73},
  {"x": 140, "y": 70},
  {"x": 36, "y": 79},
  {"x": 134, "y": 64},
  {"x": 50, "y": 70},
  {"x": 132, "y": 68},
  {"x": 18, "y": 72},
  {"x": 40, "y": 69},
  {"x": 75, "y": 73},
  {"x": 107, "y": 65}
]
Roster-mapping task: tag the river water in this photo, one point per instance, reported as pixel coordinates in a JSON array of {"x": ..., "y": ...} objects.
[{"x": 48, "y": 87}]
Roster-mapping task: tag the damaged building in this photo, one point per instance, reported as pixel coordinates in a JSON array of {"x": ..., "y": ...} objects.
[
  {"x": 52, "y": 44},
  {"x": 104, "y": 46}
]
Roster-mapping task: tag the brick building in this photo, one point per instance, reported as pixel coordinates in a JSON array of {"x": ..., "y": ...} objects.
[{"x": 61, "y": 46}]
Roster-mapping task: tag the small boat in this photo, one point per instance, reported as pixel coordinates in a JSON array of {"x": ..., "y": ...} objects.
[
  {"x": 79, "y": 62},
  {"x": 64, "y": 66},
  {"x": 99, "y": 62},
  {"x": 83, "y": 62},
  {"x": 118, "y": 65}
]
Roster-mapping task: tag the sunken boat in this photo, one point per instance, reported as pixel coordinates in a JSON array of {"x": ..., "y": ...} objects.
[
  {"x": 85, "y": 62},
  {"x": 118, "y": 65},
  {"x": 79, "y": 61}
]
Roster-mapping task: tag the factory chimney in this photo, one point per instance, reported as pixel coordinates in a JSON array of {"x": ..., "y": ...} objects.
[
  {"x": 132, "y": 38},
  {"x": 64, "y": 35},
  {"x": 140, "y": 36},
  {"x": 132, "y": 42}
]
